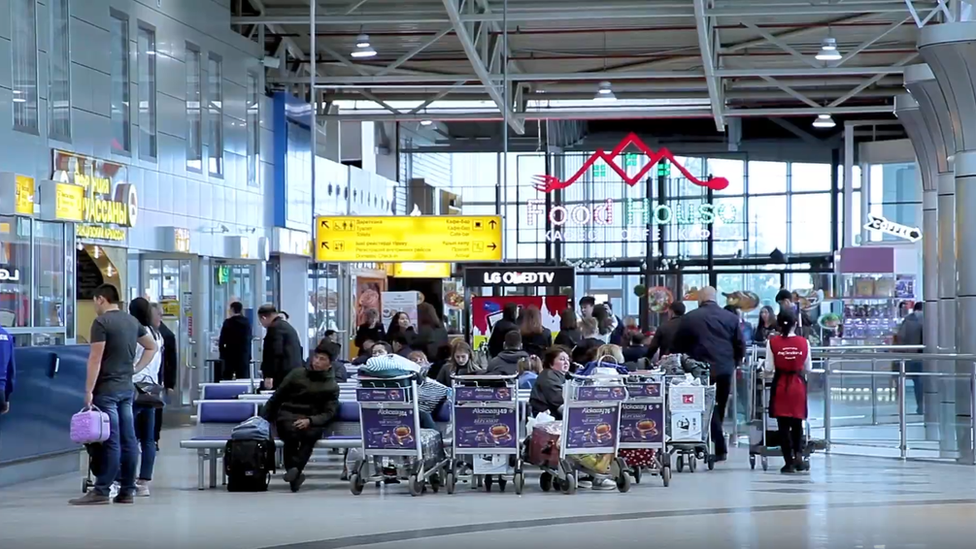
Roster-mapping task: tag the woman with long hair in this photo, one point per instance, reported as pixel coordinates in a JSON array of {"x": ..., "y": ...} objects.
[
  {"x": 788, "y": 360},
  {"x": 535, "y": 337},
  {"x": 460, "y": 363},
  {"x": 145, "y": 416},
  {"x": 431, "y": 335},
  {"x": 400, "y": 324},
  {"x": 569, "y": 333},
  {"x": 766, "y": 326}
]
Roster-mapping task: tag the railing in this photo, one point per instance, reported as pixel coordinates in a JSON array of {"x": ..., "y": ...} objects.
[{"x": 845, "y": 378}]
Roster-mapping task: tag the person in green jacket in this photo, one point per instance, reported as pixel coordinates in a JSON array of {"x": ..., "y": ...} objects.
[{"x": 301, "y": 409}]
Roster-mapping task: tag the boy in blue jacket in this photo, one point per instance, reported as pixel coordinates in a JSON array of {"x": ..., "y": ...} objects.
[{"x": 8, "y": 371}]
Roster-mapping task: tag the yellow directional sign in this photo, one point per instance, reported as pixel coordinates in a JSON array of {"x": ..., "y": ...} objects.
[{"x": 408, "y": 238}]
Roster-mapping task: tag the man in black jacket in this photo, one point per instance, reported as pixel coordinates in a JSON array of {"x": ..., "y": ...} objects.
[
  {"x": 169, "y": 366},
  {"x": 235, "y": 344},
  {"x": 712, "y": 335},
  {"x": 506, "y": 363},
  {"x": 663, "y": 340},
  {"x": 282, "y": 348},
  {"x": 509, "y": 322}
]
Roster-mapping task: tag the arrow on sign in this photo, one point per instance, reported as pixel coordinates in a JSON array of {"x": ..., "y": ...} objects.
[
  {"x": 325, "y": 246},
  {"x": 492, "y": 246},
  {"x": 882, "y": 225},
  {"x": 492, "y": 224},
  {"x": 324, "y": 223}
]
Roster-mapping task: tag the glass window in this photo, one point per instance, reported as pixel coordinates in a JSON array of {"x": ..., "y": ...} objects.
[
  {"x": 59, "y": 77},
  {"x": 147, "y": 93},
  {"x": 810, "y": 223},
  {"x": 253, "y": 128},
  {"x": 733, "y": 170},
  {"x": 809, "y": 177},
  {"x": 895, "y": 195},
  {"x": 15, "y": 272},
  {"x": 767, "y": 223},
  {"x": 767, "y": 177},
  {"x": 194, "y": 92},
  {"x": 215, "y": 115},
  {"x": 23, "y": 47},
  {"x": 49, "y": 298},
  {"x": 729, "y": 228},
  {"x": 120, "y": 84}
]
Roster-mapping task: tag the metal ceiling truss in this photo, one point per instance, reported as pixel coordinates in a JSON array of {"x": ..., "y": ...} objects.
[{"x": 941, "y": 7}]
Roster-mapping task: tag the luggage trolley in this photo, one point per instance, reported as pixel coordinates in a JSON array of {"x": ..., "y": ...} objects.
[
  {"x": 486, "y": 425},
  {"x": 389, "y": 420},
  {"x": 764, "y": 438},
  {"x": 642, "y": 424},
  {"x": 591, "y": 425},
  {"x": 690, "y": 410}
]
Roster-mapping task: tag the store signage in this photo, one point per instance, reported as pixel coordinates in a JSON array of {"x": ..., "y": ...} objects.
[
  {"x": 421, "y": 270},
  {"x": 290, "y": 242},
  {"x": 8, "y": 274},
  {"x": 16, "y": 194},
  {"x": 408, "y": 239},
  {"x": 880, "y": 224},
  {"x": 99, "y": 232},
  {"x": 69, "y": 202},
  {"x": 94, "y": 192},
  {"x": 633, "y": 216},
  {"x": 519, "y": 276},
  {"x": 176, "y": 239},
  {"x": 548, "y": 183}
]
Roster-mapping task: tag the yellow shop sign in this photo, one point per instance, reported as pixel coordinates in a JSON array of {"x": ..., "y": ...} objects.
[{"x": 98, "y": 205}]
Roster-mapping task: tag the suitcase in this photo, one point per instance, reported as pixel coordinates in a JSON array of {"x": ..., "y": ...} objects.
[
  {"x": 637, "y": 457},
  {"x": 544, "y": 446},
  {"x": 249, "y": 464}
]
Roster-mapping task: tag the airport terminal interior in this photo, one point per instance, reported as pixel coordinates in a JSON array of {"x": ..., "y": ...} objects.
[{"x": 488, "y": 273}]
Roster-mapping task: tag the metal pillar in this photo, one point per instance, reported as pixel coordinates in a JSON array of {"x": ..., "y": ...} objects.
[
  {"x": 908, "y": 112},
  {"x": 947, "y": 49},
  {"x": 937, "y": 118}
]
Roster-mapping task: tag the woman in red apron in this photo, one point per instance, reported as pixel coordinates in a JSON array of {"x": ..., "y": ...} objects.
[{"x": 788, "y": 359}]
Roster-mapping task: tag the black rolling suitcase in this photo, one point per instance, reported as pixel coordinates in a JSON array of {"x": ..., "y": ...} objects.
[{"x": 249, "y": 465}]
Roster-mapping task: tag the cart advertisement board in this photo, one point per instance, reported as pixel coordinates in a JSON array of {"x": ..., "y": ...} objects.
[
  {"x": 484, "y": 427},
  {"x": 686, "y": 398},
  {"x": 644, "y": 390},
  {"x": 590, "y": 393},
  {"x": 591, "y": 427},
  {"x": 479, "y": 394},
  {"x": 388, "y": 428},
  {"x": 381, "y": 395},
  {"x": 642, "y": 423}
]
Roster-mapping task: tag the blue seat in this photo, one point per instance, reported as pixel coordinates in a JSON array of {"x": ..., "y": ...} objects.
[
  {"x": 348, "y": 411},
  {"x": 224, "y": 391},
  {"x": 225, "y": 411}
]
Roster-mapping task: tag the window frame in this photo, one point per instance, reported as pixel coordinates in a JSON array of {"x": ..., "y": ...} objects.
[
  {"x": 59, "y": 37},
  {"x": 215, "y": 115},
  {"x": 194, "y": 153},
  {"x": 24, "y": 123},
  {"x": 149, "y": 57},
  {"x": 126, "y": 78},
  {"x": 253, "y": 122}
]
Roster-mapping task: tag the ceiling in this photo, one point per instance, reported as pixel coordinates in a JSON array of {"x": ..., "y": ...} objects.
[{"x": 702, "y": 59}]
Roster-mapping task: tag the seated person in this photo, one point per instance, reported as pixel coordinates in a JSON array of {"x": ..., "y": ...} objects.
[
  {"x": 301, "y": 409},
  {"x": 584, "y": 352},
  {"x": 381, "y": 348},
  {"x": 365, "y": 352},
  {"x": 506, "y": 363},
  {"x": 401, "y": 344},
  {"x": 547, "y": 393},
  {"x": 635, "y": 349},
  {"x": 431, "y": 394},
  {"x": 528, "y": 371}
]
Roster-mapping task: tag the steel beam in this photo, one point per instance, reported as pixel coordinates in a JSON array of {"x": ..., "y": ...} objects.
[
  {"x": 803, "y": 71},
  {"x": 471, "y": 51},
  {"x": 410, "y": 54},
  {"x": 870, "y": 81},
  {"x": 765, "y": 9},
  {"x": 704, "y": 29},
  {"x": 797, "y": 95},
  {"x": 808, "y": 59},
  {"x": 867, "y": 43}
]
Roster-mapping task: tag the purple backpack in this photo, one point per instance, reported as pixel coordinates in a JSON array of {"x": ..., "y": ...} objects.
[{"x": 89, "y": 426}]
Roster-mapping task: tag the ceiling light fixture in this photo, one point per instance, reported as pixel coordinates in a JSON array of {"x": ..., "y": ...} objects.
[
  {"x": 824, "y": 121},
  {"x": 426, "y": 122},
  {"x": 828, "y": 50},
  {"x": 605, "y": 93},
  {"x": 363, "y": 49}
]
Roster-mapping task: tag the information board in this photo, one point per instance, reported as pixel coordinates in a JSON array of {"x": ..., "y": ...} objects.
[{"x": 408, "y": 238}]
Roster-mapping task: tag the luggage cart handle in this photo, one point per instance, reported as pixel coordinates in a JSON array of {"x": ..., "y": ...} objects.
[
  {"x": 395, "y": 378},
  {"x": 484, "y": 378}
]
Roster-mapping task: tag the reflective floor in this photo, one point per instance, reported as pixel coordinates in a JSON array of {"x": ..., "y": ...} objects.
[{"x": 845, "y": 502}]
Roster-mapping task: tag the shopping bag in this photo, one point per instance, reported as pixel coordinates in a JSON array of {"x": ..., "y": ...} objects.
[{"x": 544, "y": 446}]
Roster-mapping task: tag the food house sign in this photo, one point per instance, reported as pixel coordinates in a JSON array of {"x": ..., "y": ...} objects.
[
  {"x": 581, "y": 221},
  {"x": 102, "y": 211}
]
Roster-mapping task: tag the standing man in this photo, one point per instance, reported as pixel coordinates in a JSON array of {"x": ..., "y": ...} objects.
[
  {"x": 712, "y": 335},
  {"x": 235, "y": 344},
  {"x": 282, "y": 348},
  {"x": 8, "y": 370},
  {"x": 663, "y": 340},
  {"x": 804, "y": 324},
  {"x": 114, "y": 336},
  {"x": 910, "y": 333}
]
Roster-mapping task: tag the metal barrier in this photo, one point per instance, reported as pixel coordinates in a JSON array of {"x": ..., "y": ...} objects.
[{"x": 954, "y": 425}]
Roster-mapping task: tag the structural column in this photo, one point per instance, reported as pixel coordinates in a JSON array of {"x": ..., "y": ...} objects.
[
  {"x": 950, "y": 51},
  {"x": 911, "y": 117}
]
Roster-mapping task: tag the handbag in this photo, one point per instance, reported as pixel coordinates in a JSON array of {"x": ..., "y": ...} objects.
[
  {"x": 90, "y": 426},
  {"x": 149, "y": 394}
]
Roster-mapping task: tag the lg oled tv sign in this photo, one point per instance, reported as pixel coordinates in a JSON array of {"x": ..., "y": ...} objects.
[{"x": 632, "y": 161}]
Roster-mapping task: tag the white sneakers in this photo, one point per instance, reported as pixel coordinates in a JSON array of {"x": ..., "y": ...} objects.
[
  {"x": 603, "y": 484},
  {"x": 142, "y": 489}
]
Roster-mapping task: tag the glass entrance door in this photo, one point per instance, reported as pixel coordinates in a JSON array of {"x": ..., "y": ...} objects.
[{"x": 167, "y": 282}]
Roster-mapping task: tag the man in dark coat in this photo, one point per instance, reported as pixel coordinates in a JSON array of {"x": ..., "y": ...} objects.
[
  {"x": 663, "y": 339},
  {"x": 235, "y": 344},
  {"x": 712, "y": 335},
  {"x": 509, "y": 322},
  {"x": 282, "y": 348},
  {"x": 910, "y": 333}
]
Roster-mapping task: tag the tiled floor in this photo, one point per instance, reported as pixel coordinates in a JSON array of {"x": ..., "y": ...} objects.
[{"x": 844, "y": 502}]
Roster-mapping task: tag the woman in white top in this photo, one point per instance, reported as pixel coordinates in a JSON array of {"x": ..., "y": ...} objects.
[{"x": 145, "y": 416}]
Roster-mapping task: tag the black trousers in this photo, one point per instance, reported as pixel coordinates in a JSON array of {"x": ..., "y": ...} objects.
[
  {"x": 723, "y": 388},
  {"x": 159, "y": 423},
  {"x": 791, "y": 438},
  {"x": 298, "y": 444}
]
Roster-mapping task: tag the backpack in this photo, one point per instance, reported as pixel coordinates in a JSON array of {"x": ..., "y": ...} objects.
[
  {"x": 249, "y": 464},
  {"x": 255, "y": 428}
]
